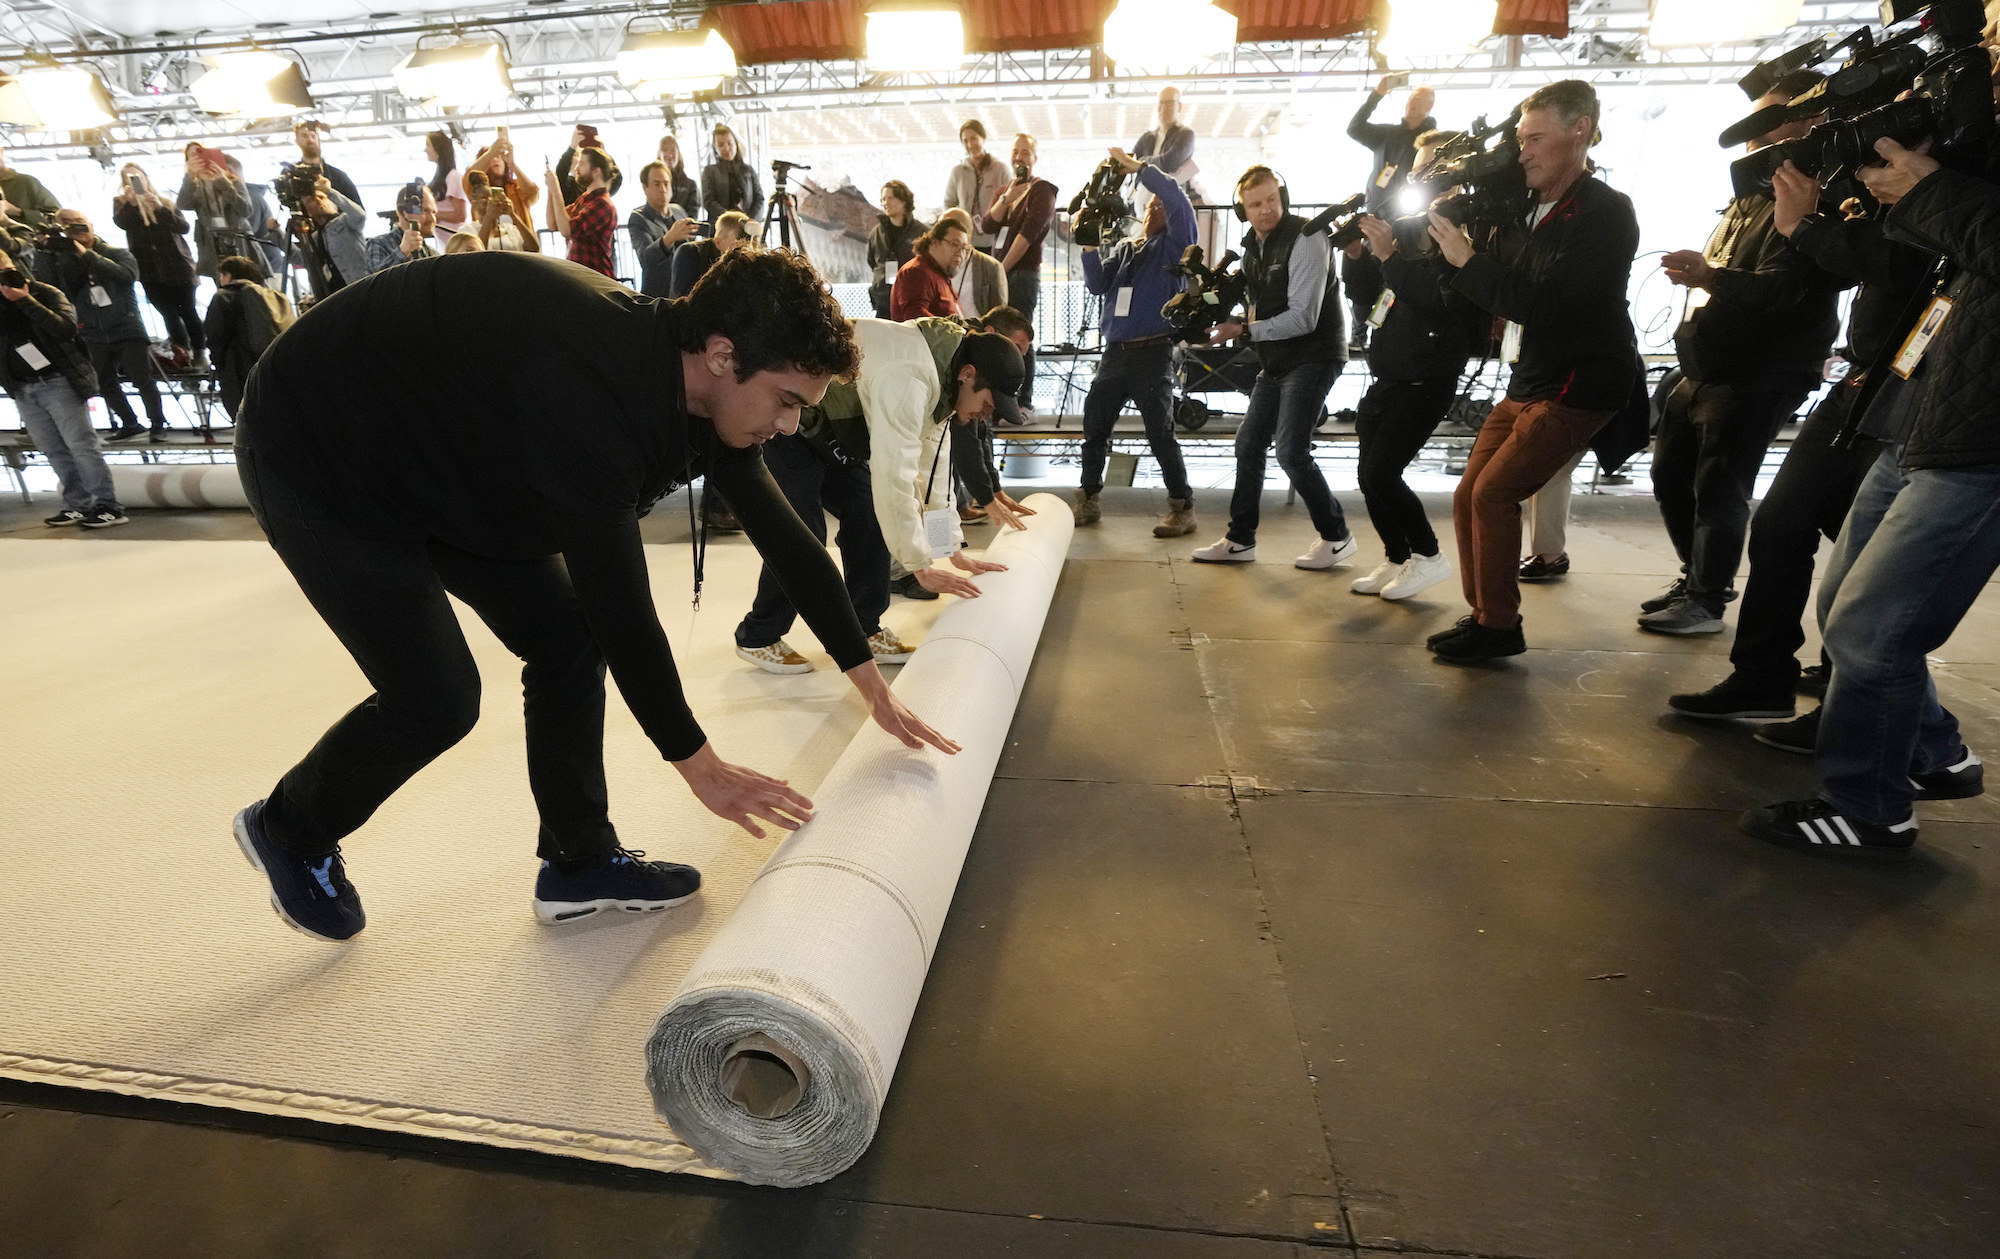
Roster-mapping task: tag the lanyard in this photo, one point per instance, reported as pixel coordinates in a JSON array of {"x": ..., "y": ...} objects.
[{"x": 931, "y": 481}]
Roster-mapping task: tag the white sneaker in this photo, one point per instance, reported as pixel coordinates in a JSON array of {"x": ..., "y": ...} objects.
[
  {"x": 777, "y": 658},
  {"x": 1328, "y": 554},
  {"x": 1385, "y": 572},
  {"x": 1421, "y": 573},
  {"x": 887, "y": 648},
  {"x": 1225, "y": 552}
]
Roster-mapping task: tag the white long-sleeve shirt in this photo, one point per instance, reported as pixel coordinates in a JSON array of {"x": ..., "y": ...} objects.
[{"x": 900, "y": 394}]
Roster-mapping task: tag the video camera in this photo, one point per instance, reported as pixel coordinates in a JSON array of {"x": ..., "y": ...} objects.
[
  {"x": 1486, "y": 163},
  {"x": 294, "y": 186},
  {"x": 1341, "y": 223},
  {"x": 53, "y": 237},
  {"x": 1099, "y": 211},
  {"x": 1209, "y": 299},
  {"x": 1937, "y": 61}
]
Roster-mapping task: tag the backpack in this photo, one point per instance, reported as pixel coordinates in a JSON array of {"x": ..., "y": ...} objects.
[{"x": 265, "y": 315}]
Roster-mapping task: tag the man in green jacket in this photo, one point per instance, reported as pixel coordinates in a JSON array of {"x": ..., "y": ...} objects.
[{"x": 25, "y": 196}]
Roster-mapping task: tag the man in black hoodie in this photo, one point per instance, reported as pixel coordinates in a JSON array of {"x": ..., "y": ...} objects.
[
  {"x": 1394, "y": 149},
  {"x": 1922, "y": 539},
  {"x": 1760, "y": 324}
]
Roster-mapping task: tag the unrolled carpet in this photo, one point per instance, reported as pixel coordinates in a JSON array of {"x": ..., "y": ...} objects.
[{"x": 156, "y": 687}]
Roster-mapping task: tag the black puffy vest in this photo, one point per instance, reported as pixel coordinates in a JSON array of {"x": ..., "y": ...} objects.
[{"x": 1267, "y": 265}]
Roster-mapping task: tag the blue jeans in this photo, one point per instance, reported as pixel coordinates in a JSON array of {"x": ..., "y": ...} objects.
[
  {"x": 1915, "y": 553},
  {"x": 1285, "y": 409},
  {"x": 59, "y": 423}
]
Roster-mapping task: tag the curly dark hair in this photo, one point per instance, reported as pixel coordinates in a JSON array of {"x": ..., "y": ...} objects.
[{"x": 775, "y": 309}]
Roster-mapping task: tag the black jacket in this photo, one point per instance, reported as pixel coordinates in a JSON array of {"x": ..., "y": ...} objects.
[
  {"x": 160, "y": 249},
  {"x": 243, "y": 319},
  {"x": 1394, "y": 146},
  {"x": 46, "y": 318},
  {"x": 1857, "y": 251},
  {"x": 1431, "y": 329},
  {"x": 1567, "y": 289},
  {"x": 107, "y": 268},
  {"x": 1771, "y": 313},
  {"x": 1267, "y": 268},
  {"x": 1957, "y": 419},
  {"x": 566, "y": 183},
  {"x": 727, "y": 186}
]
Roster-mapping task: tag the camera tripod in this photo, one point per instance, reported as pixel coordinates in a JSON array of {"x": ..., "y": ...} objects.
[{"x": 783, "y": 210}]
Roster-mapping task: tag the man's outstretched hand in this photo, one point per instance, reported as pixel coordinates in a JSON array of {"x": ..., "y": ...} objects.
[
  {"x": 744, "y": 796},
  {"x": 892, "y": 714}
]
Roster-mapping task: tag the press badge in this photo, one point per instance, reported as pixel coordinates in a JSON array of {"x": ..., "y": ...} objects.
[
  {"x": 1919, "y": 339},
  {"x": 1510, "y": 344},
  {"x": 98, "y": 297},
  {"x": 218, "y": 222},
  {"x": 938, "y": 533},
  {"x": 1388, "y": 173},
  {"x": 1380, "y": 315},
  {"x": 32, "y": 355},
  {"x": 1124, "y": 302}
]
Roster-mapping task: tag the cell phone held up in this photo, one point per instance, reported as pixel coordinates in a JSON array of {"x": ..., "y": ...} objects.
[{"x": 12, "y": 278}]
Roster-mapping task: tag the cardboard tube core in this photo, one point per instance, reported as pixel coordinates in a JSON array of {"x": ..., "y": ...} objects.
[{"x": 763, "y": 1078}]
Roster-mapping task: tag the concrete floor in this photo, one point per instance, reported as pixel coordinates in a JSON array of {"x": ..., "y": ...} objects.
[{"x": 1280, "y": 939}]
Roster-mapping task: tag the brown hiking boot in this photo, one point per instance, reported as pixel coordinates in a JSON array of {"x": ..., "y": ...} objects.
[
  {"x": 1085, "y": 507},
  {"x": 1179, "y": 520}
]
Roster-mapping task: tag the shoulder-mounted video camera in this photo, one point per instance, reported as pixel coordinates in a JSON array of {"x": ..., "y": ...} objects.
[
  {"x": 1937, "y": 61},
  {"x": 1341, "y": 223},
  {"x": 1484, "y": 163},
  {"x": 1211, "y": 296},
  {"x": 1099, "y": 211},
  {"x": 294, "y": 186}
]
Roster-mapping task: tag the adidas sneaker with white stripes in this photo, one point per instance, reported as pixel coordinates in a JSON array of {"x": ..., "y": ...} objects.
[{"x": 1819, "y": 826}]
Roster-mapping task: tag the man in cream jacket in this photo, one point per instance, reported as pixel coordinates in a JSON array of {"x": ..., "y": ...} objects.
[{"x": 873, "y": 455}]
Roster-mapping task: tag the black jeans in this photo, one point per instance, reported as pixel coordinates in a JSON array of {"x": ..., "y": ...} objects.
[
  {"x": 1711, "y": 443},
  {"x": 1394, "y": 420},
  {"x": 1809, "y": 499},
  {"x": 817, "y": 483},
  {"x": 175, "y": 302},
  {"x": 134, "y": 360},
  {"x": 1284, "y": 409},
  {"x": 1024, "y": 287},
  {"x": 385, "y": 602},
  {"x": 1145, "y": 377}
]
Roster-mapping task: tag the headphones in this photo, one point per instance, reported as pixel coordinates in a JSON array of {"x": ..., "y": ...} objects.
[{"x": 1284, "y": 192}]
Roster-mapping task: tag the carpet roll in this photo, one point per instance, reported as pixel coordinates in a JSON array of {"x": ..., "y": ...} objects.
[
  {"x": 774, "y": 1057},
  {"x": 200, "y": 486}
]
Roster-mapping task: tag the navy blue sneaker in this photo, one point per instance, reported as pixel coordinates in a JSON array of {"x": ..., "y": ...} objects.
[
  {"x": 620, "y": 880},
  {"x": 311, "y": 894},
  {"x": 1957, "y": 782}
]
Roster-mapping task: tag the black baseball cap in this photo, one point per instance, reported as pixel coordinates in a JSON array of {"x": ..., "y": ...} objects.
[{"x": 999, "y": 365}]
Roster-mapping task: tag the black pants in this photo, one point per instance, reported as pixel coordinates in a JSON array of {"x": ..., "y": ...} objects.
[
  {"x": 1394, "y": 420},
  {"x": 817, "y": 483},
  {"x": 175, "y": 302},
  {"x": 1711, "y": 443},
  {"x": 1809, "y": 499},
  {"x": 385, "y": 602},
  {"x": 134, "y": 361},
  {"x": 1024, "y": 289},
  {"x": 1144, "y": 376},
  {"x": 1362, "y": 281}
]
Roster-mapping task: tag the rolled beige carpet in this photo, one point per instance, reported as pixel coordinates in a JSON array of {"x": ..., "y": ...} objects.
[
  {"x": 774, "y": 1057},
  {"x": 202, "y": 486}
]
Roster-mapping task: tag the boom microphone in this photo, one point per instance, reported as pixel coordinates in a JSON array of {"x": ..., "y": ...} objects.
[{"x": 1324, "y": 219}]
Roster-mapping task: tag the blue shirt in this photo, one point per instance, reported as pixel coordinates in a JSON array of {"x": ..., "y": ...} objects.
[{"x": 1145, "y": 267}]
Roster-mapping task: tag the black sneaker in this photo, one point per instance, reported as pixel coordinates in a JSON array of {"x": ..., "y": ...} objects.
[
  {"x": 618, "y": 881},
  {"x": 1672, "y": 593},
  {"x": 1812, "y": 681},
  {"x": 311, "y": 894},
  {"x": 910, "y": 588},
  {"x": 67, "y": 516},
  {"x": 126, "y": 434},
  {"x": 1959, "y": 782},
  {"x": 1817, "y": 826},
  {"x": 105, "y": 518},
  {"x": 1538, "y": 569},
  {"x": 1463, "y": 624},
  {"x": 1481, "y": 643},
  {"x": 1733, "y": 698},
  {"x": 1799, "y": 735}
]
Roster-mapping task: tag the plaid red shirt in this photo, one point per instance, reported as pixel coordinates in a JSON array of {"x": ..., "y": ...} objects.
[{"x": 592, "y": 224}]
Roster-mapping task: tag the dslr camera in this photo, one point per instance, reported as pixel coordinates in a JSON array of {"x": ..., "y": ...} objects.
[
  {"x": 1211, "y": 296},
  {"x": 1099, "y": 211},
  {"x": 294, "y": 186},
  {"x": 1936, "y": 60}
]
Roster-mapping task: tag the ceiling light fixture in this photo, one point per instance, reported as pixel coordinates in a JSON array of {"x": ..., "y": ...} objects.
[
  {"x": 454, "y": 76},
  {"x": 915, "y": 36},
  {"x": 1686, "y": 23},
  {"x": 1435, "y": 28},
  {"x": 253, "y": 84},
  {"x": 1167, "y": 32},
  {"x": 657, "y": 64},
  {"x": 56, "y": 98}
]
